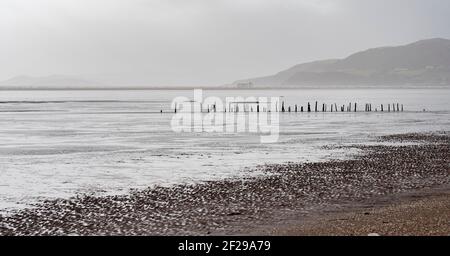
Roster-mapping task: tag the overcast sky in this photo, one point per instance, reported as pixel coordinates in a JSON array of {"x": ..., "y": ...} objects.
[{"x": 200, "y": 42}]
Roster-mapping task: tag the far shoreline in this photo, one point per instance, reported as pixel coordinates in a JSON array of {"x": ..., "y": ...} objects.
[{"x": 207, "y": 88}]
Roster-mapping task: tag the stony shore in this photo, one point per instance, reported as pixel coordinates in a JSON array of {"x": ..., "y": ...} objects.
[
  {"x": 299, "y": 195},
  {"x": 420, "y": 213}
]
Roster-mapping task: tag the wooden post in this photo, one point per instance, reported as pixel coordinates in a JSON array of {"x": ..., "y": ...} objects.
[
  {"x": 282, "y": 106},
  {"x": 295, "y": 108},
  {"x": 315, "y": 109},
  {"x": 402, "y": 107},
  {"x": 382, "y": 108},
  {"x": 289, "y": 109},
  {"x": 323, "y": 107},
  {"x": 301, "y": 108},
  {"x": 389, "y": 107},
  {"x": 355, "y": 106},
  {"x": 309, "y": 107}
]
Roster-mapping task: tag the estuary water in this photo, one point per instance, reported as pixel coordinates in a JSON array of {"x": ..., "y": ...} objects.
[{"x": 57, "y": 144}]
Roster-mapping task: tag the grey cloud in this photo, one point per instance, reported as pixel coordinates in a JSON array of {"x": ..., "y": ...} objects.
[{"x": 200, "y": 42}]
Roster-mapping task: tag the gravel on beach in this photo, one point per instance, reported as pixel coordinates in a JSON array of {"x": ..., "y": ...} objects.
[
  {"x": 288, "y": 195},
  {"x": 419, "y": 214}
]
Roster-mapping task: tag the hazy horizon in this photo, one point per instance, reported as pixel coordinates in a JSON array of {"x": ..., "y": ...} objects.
[{"x": 204, "y": 43}]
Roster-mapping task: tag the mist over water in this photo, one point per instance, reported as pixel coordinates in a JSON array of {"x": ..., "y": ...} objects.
[{"x": 63, "y": 143}]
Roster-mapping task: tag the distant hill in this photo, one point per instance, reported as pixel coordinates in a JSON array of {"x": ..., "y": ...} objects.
[
  {"x": 49, "y": 82},
  {"x": 422, "y": 63}
]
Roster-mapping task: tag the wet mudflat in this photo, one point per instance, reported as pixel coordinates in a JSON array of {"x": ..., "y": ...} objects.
[{"x": 292, "y": 191}]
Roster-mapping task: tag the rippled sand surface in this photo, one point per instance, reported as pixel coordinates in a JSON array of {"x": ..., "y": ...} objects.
[{"x": 58, "y": 144}]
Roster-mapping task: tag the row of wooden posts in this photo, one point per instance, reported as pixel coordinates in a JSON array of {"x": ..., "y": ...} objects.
[{"x": 351, "y": 107}]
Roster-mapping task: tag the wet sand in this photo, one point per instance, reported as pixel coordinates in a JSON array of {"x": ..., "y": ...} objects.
[
  {"x": 390, "y": 190},
  {"x": 421, "y": 213}
]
